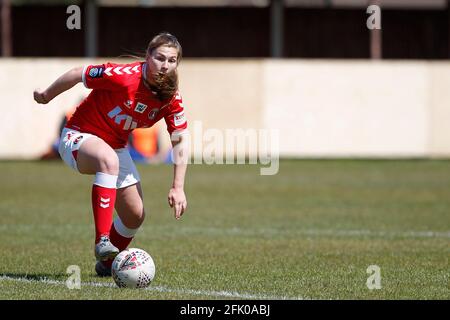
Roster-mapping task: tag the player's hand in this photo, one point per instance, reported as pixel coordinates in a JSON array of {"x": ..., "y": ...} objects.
[
  {"x": 39, "y": 96},
  {"x": 177, "y": 201}
]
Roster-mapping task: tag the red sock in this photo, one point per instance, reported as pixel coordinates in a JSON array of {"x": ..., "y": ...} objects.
[
  {"x": 117, "y": 239},
  {"x": 103, "y": 199}
]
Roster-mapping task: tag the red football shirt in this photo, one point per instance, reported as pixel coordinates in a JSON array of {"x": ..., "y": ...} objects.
[{"x": 121, "y": 102}]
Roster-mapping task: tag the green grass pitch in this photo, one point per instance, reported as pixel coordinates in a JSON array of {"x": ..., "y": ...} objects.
[{"x": 309, "y": 232}]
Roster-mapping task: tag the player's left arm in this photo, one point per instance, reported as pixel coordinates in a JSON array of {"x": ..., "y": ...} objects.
[
  {"x": 177, "y": 198},
  {"x": 179, "y": 136}
]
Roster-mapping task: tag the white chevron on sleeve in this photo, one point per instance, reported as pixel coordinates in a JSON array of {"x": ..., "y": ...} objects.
[
  {"x": 136, "y": 68},
  {"x": 107, "y": 71},
  {"x": 127, "y": 70},
  {"x": 119, "y": 70}
]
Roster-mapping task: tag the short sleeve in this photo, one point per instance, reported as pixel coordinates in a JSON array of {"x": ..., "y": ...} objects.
[
  {"x": 176, "y": 118},
  {"x": 102, "y": 76}
]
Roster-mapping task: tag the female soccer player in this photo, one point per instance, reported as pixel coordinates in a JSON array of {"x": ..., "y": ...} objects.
[{"x": 123, "y": 97}]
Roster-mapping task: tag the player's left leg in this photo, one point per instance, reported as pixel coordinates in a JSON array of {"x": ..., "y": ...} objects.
[
  {"x": 130, "y": 210},
  {"x": 131, "y": 214}
]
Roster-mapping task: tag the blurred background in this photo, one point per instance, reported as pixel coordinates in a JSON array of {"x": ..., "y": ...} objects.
[
  {"x": 311, "y": 69},
  {"x": 334, "y": 88}
]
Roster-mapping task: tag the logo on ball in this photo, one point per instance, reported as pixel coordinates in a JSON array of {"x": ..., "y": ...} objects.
[{"x": 133, "y": 268}]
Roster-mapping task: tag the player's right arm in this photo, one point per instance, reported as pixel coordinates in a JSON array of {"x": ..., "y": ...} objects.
[{"x": 63, "y": 83}]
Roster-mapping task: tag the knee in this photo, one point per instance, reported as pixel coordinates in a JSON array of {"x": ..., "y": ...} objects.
[{"x": 134, "y": 218}]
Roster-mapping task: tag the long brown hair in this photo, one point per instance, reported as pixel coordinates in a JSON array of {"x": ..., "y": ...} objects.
[{"x": 165, "y": 85}]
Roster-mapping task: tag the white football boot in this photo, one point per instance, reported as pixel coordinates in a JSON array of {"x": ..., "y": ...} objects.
[{"x": 105, "y": 250}]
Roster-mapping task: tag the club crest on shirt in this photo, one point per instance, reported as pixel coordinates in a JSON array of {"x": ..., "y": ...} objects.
[
  {"x": 140, "y": 107},
  {"x": 152, "y": 114}
]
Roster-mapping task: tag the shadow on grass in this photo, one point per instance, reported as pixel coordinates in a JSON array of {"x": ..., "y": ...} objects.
[{"x": 35, "y": 276}]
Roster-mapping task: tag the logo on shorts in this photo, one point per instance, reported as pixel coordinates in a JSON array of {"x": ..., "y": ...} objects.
[{"x": 78, "y": 139}]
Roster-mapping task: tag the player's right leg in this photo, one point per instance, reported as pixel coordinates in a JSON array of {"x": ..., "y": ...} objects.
[
  {"x": 89, "y": 154},
  {"x": 129, "y": 206}
]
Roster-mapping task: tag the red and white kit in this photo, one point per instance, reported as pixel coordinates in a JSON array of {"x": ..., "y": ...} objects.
[{"x": 119, "y": 102}]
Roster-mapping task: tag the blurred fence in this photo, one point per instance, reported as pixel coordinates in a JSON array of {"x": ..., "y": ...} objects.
[{"x": 40, "y": 31}]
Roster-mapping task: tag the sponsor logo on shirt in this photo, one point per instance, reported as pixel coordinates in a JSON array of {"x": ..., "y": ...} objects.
[
  {"x": 179, "y": 118},
  {"x": 126, "y": 120},
  {"x": 140, "y": 107}
]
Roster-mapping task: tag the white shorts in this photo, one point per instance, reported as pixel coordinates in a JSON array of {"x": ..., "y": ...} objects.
[{"x": 70, "y": 142}]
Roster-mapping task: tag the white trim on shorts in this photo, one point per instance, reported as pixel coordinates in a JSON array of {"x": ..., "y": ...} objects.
[{"x": 70, "y": 142}]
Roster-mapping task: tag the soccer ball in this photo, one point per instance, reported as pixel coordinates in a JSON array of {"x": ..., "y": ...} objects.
[{"x": 133, "y": 268}]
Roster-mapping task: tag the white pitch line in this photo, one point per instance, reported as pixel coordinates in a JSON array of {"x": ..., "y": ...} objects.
[
  {"x": 310, "y": 232},
  {"x": 216, "y": 294},
  {"x": 255, "y": 231}
]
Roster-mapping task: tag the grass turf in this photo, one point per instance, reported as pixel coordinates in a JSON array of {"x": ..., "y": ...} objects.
[{"x": 310, "y": 231}]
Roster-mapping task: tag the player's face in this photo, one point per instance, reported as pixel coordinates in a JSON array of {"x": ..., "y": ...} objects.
[{"x": 163, "y": 59}]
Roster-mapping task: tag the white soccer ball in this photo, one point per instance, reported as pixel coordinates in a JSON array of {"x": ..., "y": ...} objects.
[{"x": 133, "y": 268}]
